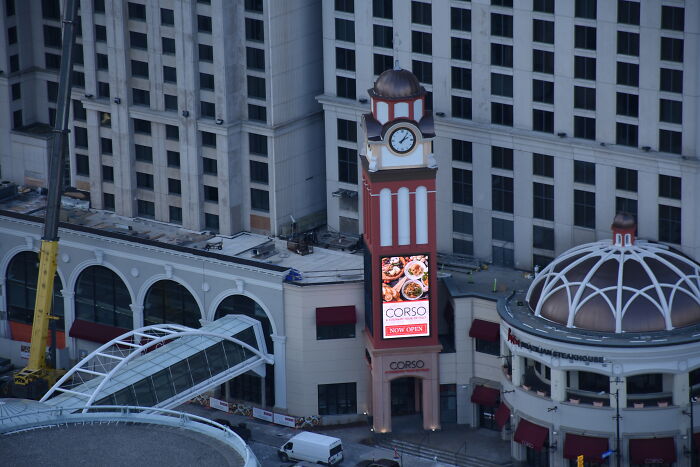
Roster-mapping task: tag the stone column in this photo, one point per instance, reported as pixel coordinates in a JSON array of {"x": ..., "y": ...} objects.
[
  {"x": 431, "y": 396},
  {"x": 516, "y": 370},
  {"x": 280, "y": 355},
  {"x": 137, "y": 311},
  {"x": 681, "y": 389},
  {"x": 69, "y": 318},
  {"x": 558, "y": 385},
  {"x": 4, "y": 316}
]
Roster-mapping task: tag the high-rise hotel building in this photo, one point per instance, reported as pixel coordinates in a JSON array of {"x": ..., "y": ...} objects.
[
  {"x": 550, "y": 117},
  {"x": 193, "y": 112}
]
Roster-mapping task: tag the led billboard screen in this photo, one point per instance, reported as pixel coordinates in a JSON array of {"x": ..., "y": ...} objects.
[{"x": 405, "y": 296}]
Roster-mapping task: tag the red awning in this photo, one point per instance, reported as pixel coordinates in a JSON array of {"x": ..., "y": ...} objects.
[
  {"x": 502, "y": 414},
  {"x": 592, "y": 448},
  {"x": 531, "y": 434},
  {"x": 484, "y": 330},
  {"x": 334, "y": 315},
  {"x": 652, "y": 451},
  {"x": 95, "y": 332},
  {"x": 483, "y": 395}
]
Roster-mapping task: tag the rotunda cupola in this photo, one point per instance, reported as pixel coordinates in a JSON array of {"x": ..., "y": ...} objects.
[
  {"x": 623, "y": 285},
  {"x": 397, "y": 94}
]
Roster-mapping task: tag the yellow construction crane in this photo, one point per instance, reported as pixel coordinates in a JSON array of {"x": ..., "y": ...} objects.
[{"x": 34, "y": 380}]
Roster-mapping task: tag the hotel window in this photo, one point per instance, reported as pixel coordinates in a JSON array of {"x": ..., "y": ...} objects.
[
  {"x": 423, "y": 71},
  {"x": 167, "y": 17},
  {"x": 626, "y": 179},
  {"x": 144, "y": 181},
  {"x": 137, "y": 11},
  {"x": 542, "y": 237},
  {"x": 82, "y": 165},
  {"x": 501, "y": 25},
  {"x": 52, "y": 61},
  {"x": 421, "y": 42},
  {"x": 382, "y": 63},
  {"x": 462, "y": 222},
  {"x": 204, "y": 24},
  {"x": 139, "y": 69},
  {"x": 502, "y": 229},
  {"x": 100, "y": 33},
  {"x": 543, "y": 31},
  {"x": 172, "y": 132},
  {"x": 175, "y": 214},
  {"x": 461, "y": 19},
  {"x": 670, "y": 141},
  {"x": 344, "y": 59},
  {"x": 672, "y": 49},
  {"x": 584, "y": 172},
  {"x": 108, "y": 201},
  {"x": 584, "y": 127},
  {"x": 462, "y": 186},
  {"x": 17, "y": 120},
  {"x": 106, "y": 146},
  {"x": 345, "y": 87},
  {"x": 669, "y": 224},
  {"x": 627, "y": 104},
  {"x": 584, "y": 209},
  {"x": 501, "y": 114},
  {"x": 382, "y": 9},
  {"x": 628, "y": 12},
  {"x": 670, "y": 111},
  {"x": 209, "y": 166},
  {"x": 143, "y": 153},
  {"x": 383, "y": 36},
  {"x": 257, "y": 144},
  {"x": 145, "y": 209},
  {"x": 102, "y": 62},
  {"x": 206, "y": 53},
  {"x": 206, "y": 81},
  {"x": 543, "y": 165},
  {"x": 586, "y": 9},
  {"x": 174, "y": 186},
  {"x": 543, "y": 6},
  {"x": 501, "y": 85},
  {"x": 503, "y": 257},
  {"x": 584, "y": 68},
  {"x": 628, "y": 74},
  {"x": 344, "y": 30},
  {"x": 255, "y": 6},
  {"x": 585, "y": 37},
  {"x": 543, "y": 120},
  {"x": 138, "y": 40},
  {"x": 461, "y": 151},
  {"x": 258, "y": 172},
  {"x": 256, "y": 87},
  {"x": 140, "y": 97},
  {"x": 347, "y": 6},
  {"x": 542, "y": 61},
  {"x": 173, "y": 159},
  {"x": 347, "y": 130},
  {"x": 543, "y": 201},
  {"x": 626, "y": 205},
  {"x": 541, "y": 261},
  {"x": 501, "y": 55},
  {"x": 168, "y": 45},
  {"x": 10, "y": 11},
  {"x": 462, "y": 247},
  {"x": 254, "y": 30},
  {"x": 211, "y": 194},
  {"x": 628, "y": 43},
  {"x": 211, "y": 222},
  {"x": 208, "y": 139},
  {"x": 79, "y": 112},
  {"x": 52, "y": 37},
  {"x": 543, "y": 91},
  {"x": 461, "y": 78},
  {"x": 347, "y": 165},
  {"x": 462, "y": 107},
  {"x": 80, "y": 137},
  {"x": 12, "y": 35},
  {"x": 462, "y": 49},
  {"x": 259, "y": 200},
  {"x": 501, "y": 193},
  {"x": 584, "y": 98},
  {"x": 669, "y": 187},
  {"x": 337, "y": 399},
  {"x": 671, "y": 80},
  {"x": 626, "y": 134},
  {"x": 255, "y": 58},
  {"x": 421, "y": 13},
  {"x": 505, "y": 3},
  {"x": 501, "y": 158},
  {"x": 672, "y": 18},
  {"x": 257, "y": 113},
  {"x": 170, "y": 102}
]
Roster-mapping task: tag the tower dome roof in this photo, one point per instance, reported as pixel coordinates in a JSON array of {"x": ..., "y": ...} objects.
[
  {"x": 619, "y": 286},
  {"x": 396, "y": 84}
]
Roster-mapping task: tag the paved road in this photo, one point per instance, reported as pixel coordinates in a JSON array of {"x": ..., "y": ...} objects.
[{"x": 267, "y": 438}]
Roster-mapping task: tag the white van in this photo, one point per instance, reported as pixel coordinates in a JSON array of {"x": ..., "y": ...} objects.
[{"x": 312, "y": 447}]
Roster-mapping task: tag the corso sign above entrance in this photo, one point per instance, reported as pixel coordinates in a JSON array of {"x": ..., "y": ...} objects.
[{"x": 406, "y": 365}]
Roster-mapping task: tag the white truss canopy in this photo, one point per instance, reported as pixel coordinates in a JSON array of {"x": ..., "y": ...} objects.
[{"x": 163, "y": 365}]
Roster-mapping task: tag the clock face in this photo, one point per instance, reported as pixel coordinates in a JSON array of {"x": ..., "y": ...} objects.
[{"x": 402, "y": 140}]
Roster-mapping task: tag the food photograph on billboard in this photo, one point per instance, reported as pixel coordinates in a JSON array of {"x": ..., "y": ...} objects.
[{"x": 405, "y": 296}]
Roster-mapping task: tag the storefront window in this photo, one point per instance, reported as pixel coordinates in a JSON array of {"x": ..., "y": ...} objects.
[
  {"x": 337, "y": 399},
  {"x": 537, "y": 458},
  {"x": 448, "y": 403},
  {"x": 487, "y": 418},
  {"x": 593, "y": 382}
]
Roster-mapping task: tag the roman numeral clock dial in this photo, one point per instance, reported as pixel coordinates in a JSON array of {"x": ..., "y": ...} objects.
[{"x": 402, "y": 140}]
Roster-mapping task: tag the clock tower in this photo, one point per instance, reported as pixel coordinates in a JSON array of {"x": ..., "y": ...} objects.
[{"x": 398, "y": 195}]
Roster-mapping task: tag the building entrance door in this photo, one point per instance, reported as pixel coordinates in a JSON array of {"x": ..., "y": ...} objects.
[{"x": 406, "y": 396}]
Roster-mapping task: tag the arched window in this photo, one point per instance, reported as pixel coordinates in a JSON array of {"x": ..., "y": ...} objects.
[
  {"x": 22, "y": 275},
  {"x": 169, "y": 302},
  {"x": 248, "y": 386},
  {"x": 101, "y": 297}
]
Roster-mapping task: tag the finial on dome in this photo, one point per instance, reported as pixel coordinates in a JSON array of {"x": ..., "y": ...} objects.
[
  {"x": 397, "y": 67},
  {"x": 623, "y": 228}
]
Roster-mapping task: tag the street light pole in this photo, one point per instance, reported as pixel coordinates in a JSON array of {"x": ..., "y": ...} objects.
[
  {"x": 617, "y": 426},
  {"x": 691, "y": 400}
]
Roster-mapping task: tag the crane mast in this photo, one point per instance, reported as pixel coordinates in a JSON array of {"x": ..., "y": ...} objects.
[{"x": 34, "y": 379}]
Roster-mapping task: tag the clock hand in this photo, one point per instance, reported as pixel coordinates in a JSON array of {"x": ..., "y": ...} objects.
[{"x": 403, "y": 139}]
